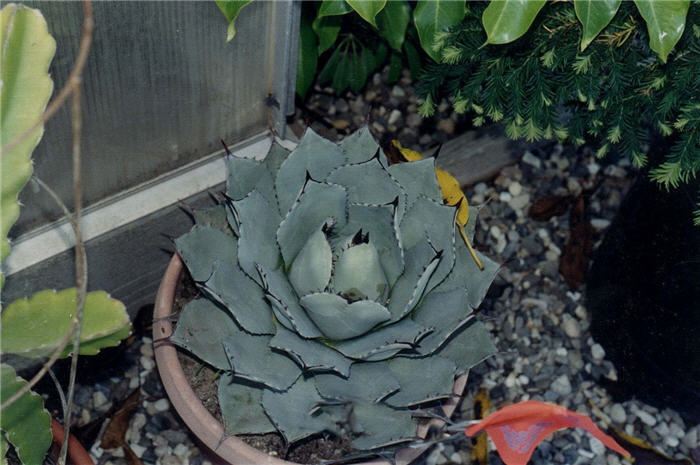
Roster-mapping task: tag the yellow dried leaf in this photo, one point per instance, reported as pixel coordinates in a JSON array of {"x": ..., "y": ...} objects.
[{"x": 451, "y": 193}]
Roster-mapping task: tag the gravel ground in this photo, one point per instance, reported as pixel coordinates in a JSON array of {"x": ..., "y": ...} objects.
[{"x": 539, "y": 325}]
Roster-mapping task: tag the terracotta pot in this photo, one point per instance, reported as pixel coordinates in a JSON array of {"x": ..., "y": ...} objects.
[
  {"x": 76, "y": 452},
  {"x": 198, "y": 418}
]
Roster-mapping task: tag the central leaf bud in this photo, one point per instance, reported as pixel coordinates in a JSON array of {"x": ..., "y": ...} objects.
[{"x": 358, "y": 271}]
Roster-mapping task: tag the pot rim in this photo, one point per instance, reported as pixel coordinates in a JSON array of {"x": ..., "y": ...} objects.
[{"x": 209, "y": 430}]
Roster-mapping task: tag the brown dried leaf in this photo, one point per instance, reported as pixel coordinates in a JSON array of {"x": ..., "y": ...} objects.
[
  {"x": 548, "y": 206},
  {"x": 573, "y": 264},
  {"x": 115, "y": 433}
]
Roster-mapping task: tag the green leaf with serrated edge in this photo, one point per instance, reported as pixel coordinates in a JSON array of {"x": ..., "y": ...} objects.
[
  {"x": 25, "y": 88},
  {"x": 358, "y": 274},
  {"x": 594, "y": 16},
  {"x": 200, "y": 247},
  {"x": 308, "y": 56},
  {"x": 201, "y": 327},
  {"x": 242, "y": 296},
  {"x": 292, "y": 410},
  {"x": 338, "y": 319},
  {"x": 444, "y": 311},
  {"x": 367, "y": 182},
  {"x": 35, "y": 326},
  {"x": 275, "y": 157},
  {"x": 378, "y": 222},
  {"x": 281, "y": 295},
  {"x": 333, "y": 8},
  {"x": 367, "y": 9},
  {"x": 311, "y": 356},
  {"x": 434, "y": 16},
  {"x": 367, "y": 381},
  {"x": 436, "y": 377},
  {"x": 244, "y": 175},
  {"x": 421, "y": 261},
  {"x": 382, "y": 426},
  {"x": 252, "y": 359},
  {"x": 418, "y": 179},
  {"x": 311, "y": 269},
  {"x": 506, "y": 20},
  {"x": 231, "y": 9},
  {"x": 360, "y": 146},
  {"x": 314, "y": 155},
  {"x": 327, "y": 29},
  {"x": 469, "y": 346},
  {"x": 213, "y": 217},
  {"x": 383, "y": 343},
  {"x": 257, "y": 242},
  {"x": 241, "y": 407},
  {"x": 665, "y": 23},
  {"x": 318, "y": 203},
  {"x": 427, "y": 219},
  {"x": 392, "y": 22},
  {"x": 26, "y": 422}
]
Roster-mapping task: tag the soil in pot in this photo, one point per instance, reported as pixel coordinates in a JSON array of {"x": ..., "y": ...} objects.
[
  {"x": 203, "y": 380},
  {"x": 643, "y": 291}
]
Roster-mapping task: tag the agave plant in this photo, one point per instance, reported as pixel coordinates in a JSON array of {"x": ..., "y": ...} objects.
[{"x": 337, "y": 298}]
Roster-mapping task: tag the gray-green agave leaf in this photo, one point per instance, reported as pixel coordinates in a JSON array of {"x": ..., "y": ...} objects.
[{"x": 341, "y": 295}]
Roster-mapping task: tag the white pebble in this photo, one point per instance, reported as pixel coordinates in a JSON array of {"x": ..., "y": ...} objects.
[
  {"x": 99, "y": 399},
  {"x": 394, "y": 116},
  {"x": 690, "y": 440},
  {"x": 146, "y": 350},
  {"x": 600, "y": 223},
  {"x": 523, "y": 380},
  {"x": 181, "y": 450},
  {"x": 597, "y": 352},
  {"x": 645, "y": 417},
  {"x": 496, "y": 232},
  {"x": 133, "y": 383},
  {"x": 480, "y": 188},
  {"x": 671, "y": 441},
  {"x": 519, "y": 202},
  {"x": 147, "y": 363},
  {"x": 596, "y": 446},
  {"x": 161, "y": 405},
  {"x": 571, "y": 327},
  {"x": 138, "y": 449},
  {"x": 532, "y": 160},
  {"x": 515, "y": 189},
  {"x": 562, "y": 385},
  {"x": 617, "y": 413},
  {"x": 510, "y": 381},
  {"x": 586, "y": 453},
  {"x": 505, "y": 197}
]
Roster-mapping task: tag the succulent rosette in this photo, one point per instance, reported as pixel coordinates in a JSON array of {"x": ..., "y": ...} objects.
[{"x": 338, "y": 295}]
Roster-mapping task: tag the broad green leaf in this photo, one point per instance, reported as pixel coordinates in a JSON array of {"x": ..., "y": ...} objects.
[
  {"x": 435, "y": 16},
  {"x": 34, "y": 326},
  {"x": 25, "y": 88},
  {"x": 308, "y": 56},
  {"x": 231, "y": 9},
  {"x": 326, "y": 29},
  {"x": 594, "y": 16},
  {"x": 395, "y": 68},
  {"x": 358, "y": 73},
  {"x": 333, "y": 8},
  {"x": 413, "y": 58},
  {"x": 367, "y": 9},
  {"x": 392, "y": 22},
  {"x": 341, "y": 77},
  {"x": 26, "y": 422},
  {"x": 665, "y": 23},
  {"x": 326, "y": 74},
  {"x": 506, "y": 20}
]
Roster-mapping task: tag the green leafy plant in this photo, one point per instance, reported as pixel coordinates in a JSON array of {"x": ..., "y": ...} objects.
[
  {"x": 338, "y": 293},
  {"x": 352, "y": 39},
  {"x": 35, "y": 328},
  {"x": 582, "y": 71}
]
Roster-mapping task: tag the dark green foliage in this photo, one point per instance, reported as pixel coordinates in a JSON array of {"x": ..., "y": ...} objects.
[{"x": 616, "y": 93}]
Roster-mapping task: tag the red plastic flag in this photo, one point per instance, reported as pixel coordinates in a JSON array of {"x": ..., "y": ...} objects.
[{"x": 517, "y": 429}]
